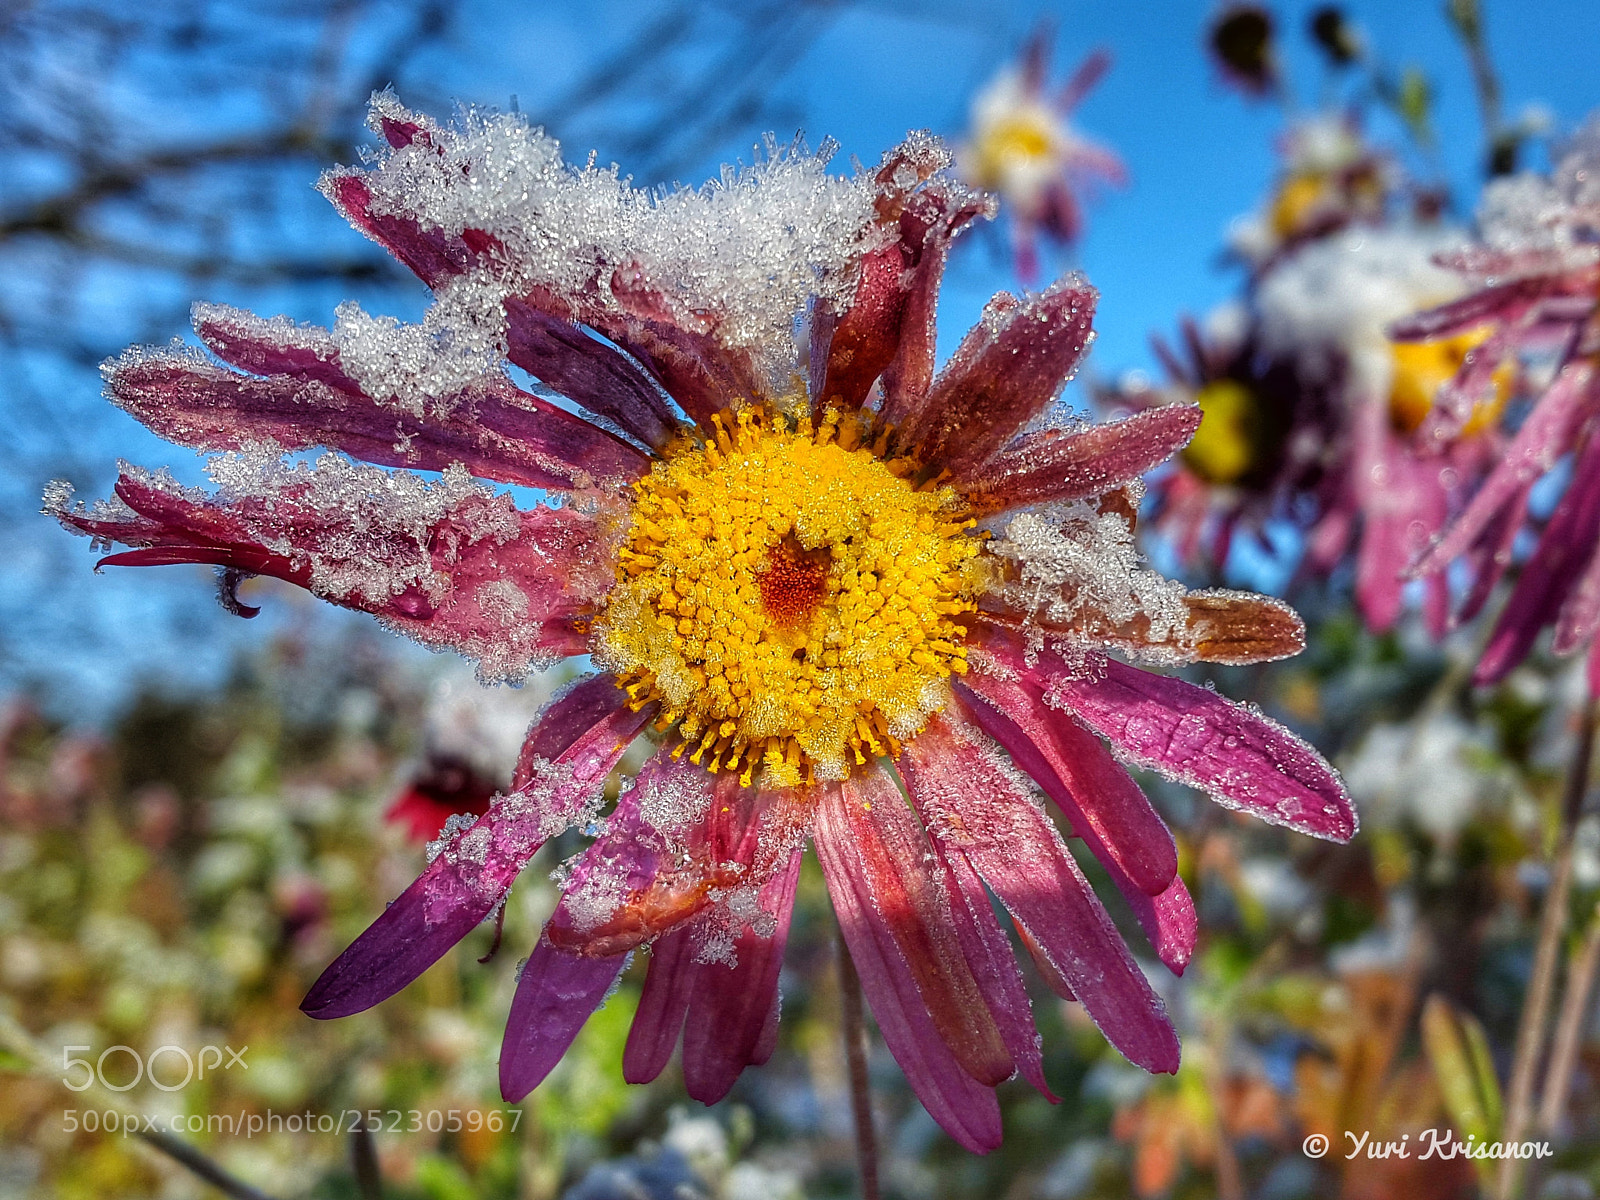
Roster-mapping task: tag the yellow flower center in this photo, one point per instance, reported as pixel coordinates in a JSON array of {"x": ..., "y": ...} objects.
[
  {"x": 790, "y": 596},
  {"x": 1421, "y": 368},
  {"x": 1299, "y": 196},
  {"x": 1019, "y": 139},
  {"x": 1224, "y": 447}
]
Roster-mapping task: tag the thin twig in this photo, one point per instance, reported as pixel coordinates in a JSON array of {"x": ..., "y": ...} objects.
[
  {"x": 364, "y": 1162},
  {"x": 1569, "y": 1030},
  {"x": 1541, "y": 984},
  {"x": 855, "y": 1053},
  {"x": 200, "y": 1165}
]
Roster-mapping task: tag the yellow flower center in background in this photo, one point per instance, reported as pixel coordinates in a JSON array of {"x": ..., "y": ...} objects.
[
  {"x": 791, "y": 597},
  {"x": 1296, "y": 200},
  {"x": 1421, "y": 368},
  {"x": 1224, "y": 447},
  {"x": 1021, "y": 138}
]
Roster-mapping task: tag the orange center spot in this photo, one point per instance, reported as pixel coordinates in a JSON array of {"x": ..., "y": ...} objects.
[{"x": 795, "y": 581}]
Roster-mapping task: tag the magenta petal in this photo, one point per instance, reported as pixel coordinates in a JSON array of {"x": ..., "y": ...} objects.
[
  {"x": 1551, "y": 573},
  {"x": 1403, "y": 502},
  {"x": 555, "y": 996},
  {"x": 1543, "y": 438},
  {"x": 930, "y": 222},
  {"x": 964, "y": 1108},
  {"x": 1167, "y": 914},
  {"x": 1095, "y": 793},
  {"x": 1500, "y": 304},
  {"x": 1002, "y": 375},
  {"x": 1168, "y": 920},
  {"x": 662, "y": 1006},
  {"x": 1055, "y": 465},
  {"x": 506, "y": 586},
  {"x": 470, "y": 875},
  {"x": 994, "y": 965},
  {"x": 571, "y": 713},
  {"x": 974, "y": 806},
  {"x": 891, "y": 860},
  {"x": 493, "y": 429},
  {"x": 1490, "y": 555},
  {"x": 1197, "y": 737},
  {"x": 434, "y": 255},
  {"x": 587, "y": 371},
  {"x": 729, "y": 1009}
]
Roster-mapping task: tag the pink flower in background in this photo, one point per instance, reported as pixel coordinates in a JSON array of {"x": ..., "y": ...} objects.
[
  {"x": 810, "y": 570},
  {"x": 1021, "y": 147},
  {"x": 1387, "y": 488},
  {"x": 1534, "y": 309}
]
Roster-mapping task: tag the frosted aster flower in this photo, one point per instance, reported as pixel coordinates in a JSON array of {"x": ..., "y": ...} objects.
[
  {"x": 1262, "y": 442},
  {"x": 1331, "y": 179},
  {"x": 1023, "y": 148},
  {"x": 811, "y": 571},
  {"x": 1533, "y": 308},
  {"x": 1392, "y": 486}
]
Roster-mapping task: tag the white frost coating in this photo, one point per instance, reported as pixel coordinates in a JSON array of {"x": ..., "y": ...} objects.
[
  {"x": 673, "y": 802},
  {"x": 743, "y": 253},
  {"x": 1078, "y": 568},
  {"x": 455, "y": 824},
  {"x": 1528, "y": 212},
  {"x": 243, "y": 325},
  {"x": 373, "y": 524},
  {"x": 1331, "y": 303},
  {"x": 460, "y": 341}
]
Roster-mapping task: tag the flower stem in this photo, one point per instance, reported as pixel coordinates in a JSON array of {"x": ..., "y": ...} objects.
[
  {"x": 1541, "y": 984},
  {"x": 1569, "y": 1030},
  {"x": 855, "y": 1053},
  {"x": 201, "y": 1166}
]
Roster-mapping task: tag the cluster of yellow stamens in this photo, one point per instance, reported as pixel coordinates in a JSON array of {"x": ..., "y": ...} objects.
[{"x": 791, "y": 595}]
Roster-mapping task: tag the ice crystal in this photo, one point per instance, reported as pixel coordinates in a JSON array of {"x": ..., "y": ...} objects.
[{"x": 744, "y": 253}]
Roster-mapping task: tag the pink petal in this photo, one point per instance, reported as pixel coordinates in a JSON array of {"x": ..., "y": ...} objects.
[
  {"x": 1550, "y": 575},
  {"x": 1095, "y": 793},
  {"x": 994, "y": 966},
  {"x": 1195, "y": 736},
  {"x": 470, "y": 876},
  {"x": 1167, "y": 914},
  {"x": 662, "y": 1006},
  {"x": 493, "y": 429},
  {"x": 1089, "y": 73},
  {"x": 852, "y": 348},
  {"x": 973, "y": 805},
  {"x": 1490, "y": 554},
  {"x": 1544, "y": 437},
  {"x": 931, "y": 221},
  {"x": 555, "y": 996},
  {"x": 509, "y": 587},
  {"x": 586, "y": 370},
  {"x": 637, "y": 880},
  {"x": 1504, "y": 304},
  {"x": 1005, "y": 371},
  {"x": 877, "y": 840},
  {"x": 1057, "y": 465},
  {"x": 730, "y": 1009},
  {"x": 1403, "y": 503},
  {"x": 964, "y": 1108},
  {"x": 434, "y": 255}
]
